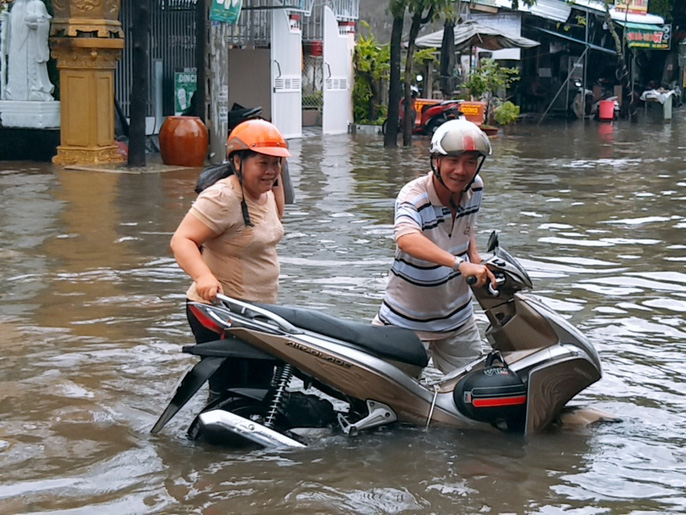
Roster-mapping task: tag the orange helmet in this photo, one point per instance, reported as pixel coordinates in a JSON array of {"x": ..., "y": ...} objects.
[{"x": 259, "y": 136}]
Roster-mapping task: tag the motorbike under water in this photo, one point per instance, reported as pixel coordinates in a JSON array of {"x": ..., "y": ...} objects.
[{"x": 538, "y": 363}]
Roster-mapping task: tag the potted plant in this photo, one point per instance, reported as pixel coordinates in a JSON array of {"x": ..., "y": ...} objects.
[{"x": 489, "y": 80}]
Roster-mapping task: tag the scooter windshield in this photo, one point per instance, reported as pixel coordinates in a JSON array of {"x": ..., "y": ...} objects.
[{"x": 505, "y": 255}]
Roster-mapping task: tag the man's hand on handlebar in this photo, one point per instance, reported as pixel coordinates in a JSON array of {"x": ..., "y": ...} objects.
[{"x": 477, "y": 275}]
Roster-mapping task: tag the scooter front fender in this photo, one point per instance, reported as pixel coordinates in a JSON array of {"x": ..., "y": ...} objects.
[{"x": 552, "y": 385}]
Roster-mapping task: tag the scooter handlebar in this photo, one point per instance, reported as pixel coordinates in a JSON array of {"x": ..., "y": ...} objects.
[{"x": 471, "y": 281}]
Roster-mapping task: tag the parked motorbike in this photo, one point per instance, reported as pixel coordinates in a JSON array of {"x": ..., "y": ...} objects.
[
  {"x": 582, "y": 104},
  {"x": 239, "y": 114},
  {"x": 432, "y": 115},
  {"x": 538, "y": 363}
]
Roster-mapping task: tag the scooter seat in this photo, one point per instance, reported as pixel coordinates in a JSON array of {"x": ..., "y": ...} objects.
[{"x": 386, "y": 342}]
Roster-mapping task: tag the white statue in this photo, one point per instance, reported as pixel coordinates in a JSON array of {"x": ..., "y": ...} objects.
[{"x": 25, "y": 43}]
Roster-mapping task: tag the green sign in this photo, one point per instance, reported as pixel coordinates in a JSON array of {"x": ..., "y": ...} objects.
[
  {"x": 226, "y": 11},
  {"x": 185, "y": 84},
  {"x": 643, "y": 35}
]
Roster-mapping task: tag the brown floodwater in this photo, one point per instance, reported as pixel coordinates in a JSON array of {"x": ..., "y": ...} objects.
[{"x": 92, "y": 323}]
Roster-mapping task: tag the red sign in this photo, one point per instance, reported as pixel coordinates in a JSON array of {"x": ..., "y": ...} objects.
[{"x": 632, "y": 6}]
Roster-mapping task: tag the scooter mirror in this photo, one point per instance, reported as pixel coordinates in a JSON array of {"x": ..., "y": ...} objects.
[{"x": 493, "y": 242}]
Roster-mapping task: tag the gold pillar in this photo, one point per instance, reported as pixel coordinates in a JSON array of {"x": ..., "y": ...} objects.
[{"x": 87, "y": 42}]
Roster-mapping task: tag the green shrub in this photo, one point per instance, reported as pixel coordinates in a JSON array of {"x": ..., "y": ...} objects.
[
  {"x": 489, "y": 78},
  {"x": 372, "y": 70},
  {"x": 506, "y": 113}
]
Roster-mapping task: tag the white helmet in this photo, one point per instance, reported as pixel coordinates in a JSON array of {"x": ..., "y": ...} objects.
[{"x": 455, "y": 137}]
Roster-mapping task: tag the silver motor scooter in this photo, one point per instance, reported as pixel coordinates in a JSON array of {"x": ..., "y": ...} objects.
[{"x": 538, "y": 363}]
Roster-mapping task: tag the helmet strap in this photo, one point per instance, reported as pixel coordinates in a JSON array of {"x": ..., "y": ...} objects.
[
  {"x": 478, "y": 169},
  {"x": 437, "y": 171},
  {"x": 244, "y": 205}
]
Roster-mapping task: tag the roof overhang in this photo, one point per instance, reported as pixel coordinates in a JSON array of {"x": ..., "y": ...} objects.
[
  {"x": 618, "y": 16},
  {"x": 556, "y": 10},
  {"x": 579, "y": 41},
  {"x": 559, "y": 10}
]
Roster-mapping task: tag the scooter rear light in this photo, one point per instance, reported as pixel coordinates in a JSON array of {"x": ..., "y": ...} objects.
[
  {"x": 499, "y": 401},
  {"x": 206, "y": 320}
]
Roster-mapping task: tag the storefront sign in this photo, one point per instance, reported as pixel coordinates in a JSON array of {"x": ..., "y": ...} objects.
[
  {"x": 655, "y": 37},
  {"x": 632, "y": 6},
  {"x": 226, "y": 11},
  {"x": 185, "y": 84}
]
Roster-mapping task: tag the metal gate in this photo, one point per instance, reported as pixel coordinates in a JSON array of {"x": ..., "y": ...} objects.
[
  {"x": 313, "y": 84},
  {"x": 172, "y": 48}
]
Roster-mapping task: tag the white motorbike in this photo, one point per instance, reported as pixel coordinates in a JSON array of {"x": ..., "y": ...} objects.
[{"x": 319, "y": 363}]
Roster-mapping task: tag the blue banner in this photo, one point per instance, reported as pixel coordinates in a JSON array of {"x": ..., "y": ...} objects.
[{"x": 226, "y": 11}]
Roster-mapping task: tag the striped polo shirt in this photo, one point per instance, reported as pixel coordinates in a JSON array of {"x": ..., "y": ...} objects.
[{"x": 421, "y": 295}]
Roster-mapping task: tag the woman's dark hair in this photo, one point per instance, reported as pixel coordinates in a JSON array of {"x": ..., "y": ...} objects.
[
  {"x": 243, "y": 154},
  {"x": 217, "y": 172}
]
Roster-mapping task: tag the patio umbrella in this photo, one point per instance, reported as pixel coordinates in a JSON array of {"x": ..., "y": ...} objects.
[{"x": 472, "y": 33}]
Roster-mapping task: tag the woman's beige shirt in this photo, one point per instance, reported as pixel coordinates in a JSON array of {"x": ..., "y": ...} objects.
[{"x": 242, "y": 258}]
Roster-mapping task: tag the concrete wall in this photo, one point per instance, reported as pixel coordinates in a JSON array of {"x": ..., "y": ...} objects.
[{"x": 250, "y": 88}]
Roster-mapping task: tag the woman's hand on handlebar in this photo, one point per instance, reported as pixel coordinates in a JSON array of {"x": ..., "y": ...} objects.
[
  {"x": 477, "y": 275},
  {"x": 207, "y": 287}
]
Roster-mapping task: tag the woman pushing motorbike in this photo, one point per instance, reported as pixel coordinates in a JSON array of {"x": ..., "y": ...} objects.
[
  {"x": 435, "y": 233},
  {"x": 227, "y": 241},
  {"x": 539, "y": 361}
]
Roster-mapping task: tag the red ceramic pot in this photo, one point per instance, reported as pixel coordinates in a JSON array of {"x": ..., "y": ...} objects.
[{"x": 183, "y": 141}]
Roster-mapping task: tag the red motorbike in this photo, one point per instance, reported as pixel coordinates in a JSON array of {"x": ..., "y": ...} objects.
[{"x": 428, "y": 114}]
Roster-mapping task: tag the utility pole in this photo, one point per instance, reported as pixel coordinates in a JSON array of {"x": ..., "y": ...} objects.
[
  {"x": 139, "y": 86},
  {"x": 201, "y": 19},
  {"x": 218, "y": 119}
]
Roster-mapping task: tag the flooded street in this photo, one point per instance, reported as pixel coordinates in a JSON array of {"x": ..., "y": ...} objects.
[{"x": 92, "y": 323}]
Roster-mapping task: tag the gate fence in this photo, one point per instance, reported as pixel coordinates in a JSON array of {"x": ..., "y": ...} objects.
[{"x": 172, "y": 48}]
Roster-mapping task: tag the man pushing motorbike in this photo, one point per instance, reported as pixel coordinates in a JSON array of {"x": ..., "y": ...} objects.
[
  {"x": 435, "y": 233},
  {"x": 539, "y": 360}
]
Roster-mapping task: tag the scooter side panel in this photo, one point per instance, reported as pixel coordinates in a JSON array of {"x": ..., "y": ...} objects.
[
  {"x": 524, "y": 329},
  {"x": 358, "y": 375}
]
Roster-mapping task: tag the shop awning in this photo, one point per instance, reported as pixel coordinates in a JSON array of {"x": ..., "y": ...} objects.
[
  {"x": 581, "y": 42},
  {"x": 471, "y": 33},
  {"x": 646, "y": 35}
]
